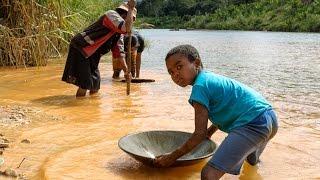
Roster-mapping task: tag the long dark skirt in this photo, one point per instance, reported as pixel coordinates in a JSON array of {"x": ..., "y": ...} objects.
[{"x": 82, "y": 72}]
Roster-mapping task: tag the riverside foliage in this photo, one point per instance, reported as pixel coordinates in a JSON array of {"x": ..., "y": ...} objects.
[
  {"x": 34, "y": 30},
  {"x": 262, "y": 15}
]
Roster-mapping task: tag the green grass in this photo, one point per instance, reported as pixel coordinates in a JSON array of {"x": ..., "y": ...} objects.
[{"x": 34, "y": 31}]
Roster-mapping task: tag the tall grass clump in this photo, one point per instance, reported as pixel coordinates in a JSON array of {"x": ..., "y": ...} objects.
[{"x": 31, "y": 31}]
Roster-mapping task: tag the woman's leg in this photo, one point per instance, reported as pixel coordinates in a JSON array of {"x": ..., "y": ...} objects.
[
  {"x": 75, "y": 71},
  {"x": 95, "y": 73},
  {"x": 93, "y": 91},
  {"x": 81, "y": 92}
]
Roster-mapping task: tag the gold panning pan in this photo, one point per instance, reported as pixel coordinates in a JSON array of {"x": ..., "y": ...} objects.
[{"x": 145, "y": 146}]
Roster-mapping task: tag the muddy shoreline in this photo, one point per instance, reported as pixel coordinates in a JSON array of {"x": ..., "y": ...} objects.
[{"x": 17, "y": 117}]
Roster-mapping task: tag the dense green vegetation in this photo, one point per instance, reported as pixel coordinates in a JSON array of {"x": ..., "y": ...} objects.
[
  {"x": 33, "y": 31},
  {"x": 270, "y": 15}
]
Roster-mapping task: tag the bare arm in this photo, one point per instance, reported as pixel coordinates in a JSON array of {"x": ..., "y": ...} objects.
[
  {"x": 119, "y": 54},
  {"x": 138, "y": 64},
  {"x": 129, "y": 18},
  {"x": 212, "y": 129},
  {"x": 123, "y": 65},
  {"x": 199, "y": 134},
  {"x": 128, "y": 23}
]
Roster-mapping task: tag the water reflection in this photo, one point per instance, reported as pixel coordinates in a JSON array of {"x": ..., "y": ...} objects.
[
  {"x": 284, "y": 67},
  {"x": 249, "y": 172}
]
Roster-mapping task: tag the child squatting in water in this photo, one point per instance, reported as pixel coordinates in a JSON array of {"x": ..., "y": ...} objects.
[{"x": 232, "y": 107}]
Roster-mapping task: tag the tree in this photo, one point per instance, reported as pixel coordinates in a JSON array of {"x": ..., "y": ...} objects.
[
  {"x": 151, "y": 8},
  {"x": 306, "y": 1}
]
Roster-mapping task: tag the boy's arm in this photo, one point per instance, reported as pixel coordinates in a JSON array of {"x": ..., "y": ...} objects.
[
  {"x": 200, "y": 133},
  {"x": 212, "y": 129}
]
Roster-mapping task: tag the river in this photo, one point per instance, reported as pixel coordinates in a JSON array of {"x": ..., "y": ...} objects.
[{"x": 82, "y": 142}]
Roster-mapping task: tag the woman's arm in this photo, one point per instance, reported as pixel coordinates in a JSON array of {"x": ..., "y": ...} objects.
[
  {"x": 129, "y": 18},
  {"x": 199, "y": 134},
  {"x": 138, "y": 64}
]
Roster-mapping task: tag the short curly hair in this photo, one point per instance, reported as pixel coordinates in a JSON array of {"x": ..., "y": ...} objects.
[{"x": 187, "y": 50}]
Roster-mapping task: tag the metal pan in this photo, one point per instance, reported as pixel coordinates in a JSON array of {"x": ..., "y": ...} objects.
[{"x": 145, "y": 146}]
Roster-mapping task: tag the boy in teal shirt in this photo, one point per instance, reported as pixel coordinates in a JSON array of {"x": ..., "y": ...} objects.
[
  {"x": 231, "y": 107},
  {"x": 230, "y": 103}
]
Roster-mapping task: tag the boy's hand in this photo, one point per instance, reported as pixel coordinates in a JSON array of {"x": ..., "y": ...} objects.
[{"x": 165, "y": 160}]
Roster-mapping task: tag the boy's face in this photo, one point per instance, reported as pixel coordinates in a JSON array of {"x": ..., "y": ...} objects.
[{"x": 182, "y": 71}]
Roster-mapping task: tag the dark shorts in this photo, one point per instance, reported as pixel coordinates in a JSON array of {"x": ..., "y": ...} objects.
[
  {"x": 82, "y": 72},
  {"x": 245, "y": 143}
]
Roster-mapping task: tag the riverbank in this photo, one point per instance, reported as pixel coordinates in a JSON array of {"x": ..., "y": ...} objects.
[
  {"x": 14, "y": 119},
  {"x": 15, "y": 115}
]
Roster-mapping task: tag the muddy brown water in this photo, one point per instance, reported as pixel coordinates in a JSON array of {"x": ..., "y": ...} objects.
[{"x": 82, "y": 142}]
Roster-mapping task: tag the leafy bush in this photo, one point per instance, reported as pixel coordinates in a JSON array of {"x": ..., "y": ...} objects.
[{"x": 271, "y": 15}]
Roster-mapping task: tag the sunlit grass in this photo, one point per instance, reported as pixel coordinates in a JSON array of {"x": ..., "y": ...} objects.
[{"x": 34, "y": 30}]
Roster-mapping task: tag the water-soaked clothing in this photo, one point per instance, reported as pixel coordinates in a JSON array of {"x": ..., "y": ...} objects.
[
  {"x": 246, "y": 142},
  {"x": 87, "y": 47}
]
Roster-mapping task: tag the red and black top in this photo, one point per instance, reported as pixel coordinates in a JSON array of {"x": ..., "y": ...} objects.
[{"x": 106, "y": 31}]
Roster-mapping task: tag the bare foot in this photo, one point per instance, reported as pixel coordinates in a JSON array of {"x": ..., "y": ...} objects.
[
  {"x": 116, "y": 75},
  {"x": 93, "y": 92},
  {"x": 81, "y": 92}
]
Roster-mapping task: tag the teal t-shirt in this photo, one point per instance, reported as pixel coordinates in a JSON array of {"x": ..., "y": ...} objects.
[{"x": 230, "y": 103}]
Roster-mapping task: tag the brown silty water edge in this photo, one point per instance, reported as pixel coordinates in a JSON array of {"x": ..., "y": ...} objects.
[{"x": 77, "y": 138}]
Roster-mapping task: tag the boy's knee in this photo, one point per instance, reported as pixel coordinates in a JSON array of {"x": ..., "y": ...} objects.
[{"x": 210, "y": 173}]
